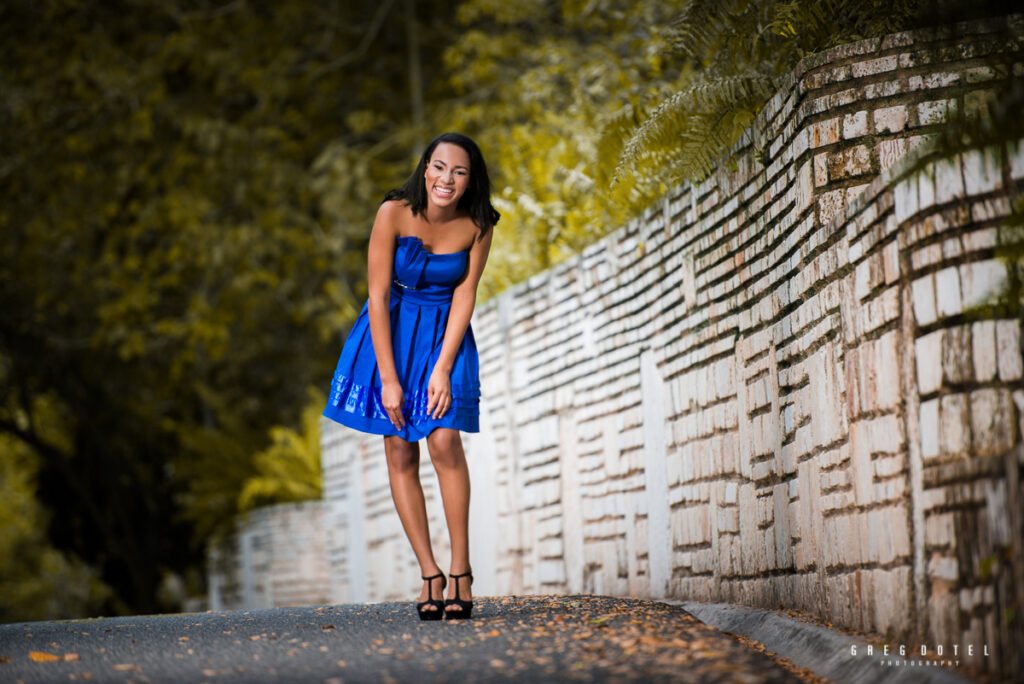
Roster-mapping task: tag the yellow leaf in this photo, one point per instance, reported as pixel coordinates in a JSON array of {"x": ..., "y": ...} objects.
[{"x": 41, "y": 657}]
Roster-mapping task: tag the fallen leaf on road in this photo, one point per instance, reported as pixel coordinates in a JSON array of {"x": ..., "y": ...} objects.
[
  {"x": 326, "y": 626},
  {"x": 41, "y": 657},
  {"x": 182, "y": 638},
  {"x": 4, "y": 659},
  {"x": 126, "y": 667},
  {"x": 70, "y": 656}
]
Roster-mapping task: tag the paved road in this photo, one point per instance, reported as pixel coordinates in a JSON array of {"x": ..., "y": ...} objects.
[{"x": 509, "y": 639}]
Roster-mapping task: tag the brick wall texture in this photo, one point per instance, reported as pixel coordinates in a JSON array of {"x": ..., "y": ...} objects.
[
  {"x": 277, "y": 556},
  {"x": 776, "y": 388}
]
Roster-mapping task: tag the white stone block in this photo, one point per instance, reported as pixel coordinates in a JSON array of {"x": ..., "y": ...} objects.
[
  {"x": 929, "y": 428},
  {"x": 948, "y": 181},
  {"x": 890, "y": 119},
  {"x": 935, "y": 112},
  {"x": 1017, "y": 160},
  {"x": 955, "y": 435},
  {"x": 889, "y": 152},
  {"x": 992, "y": 429},
  {"x": 1008, "y": 350},
  {"x": 923, "y": 294},
  {"x": 943, "y": 568},
  {"x": 730, "y": 492},
  {"x": 983, "y": 350},
  {"x": 947, "y": 292},
  {"x": 925, "y": 189},
  {"x": 928, "y": 353},
  {"x": 982, "y": 170},
  {"x": 982, "y": 282},
  {"x": 855, "y": 125},
  {"x": 905, "y": 198}
]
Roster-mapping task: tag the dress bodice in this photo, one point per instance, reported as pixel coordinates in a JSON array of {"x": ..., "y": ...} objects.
[{"x": 417, "y": 269}]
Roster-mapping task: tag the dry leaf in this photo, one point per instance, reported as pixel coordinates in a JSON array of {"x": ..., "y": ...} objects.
[
  {"x": 70, "y": 656},
  {"x": 126, "y": 667},
  {"x": 40, "y": 657}
]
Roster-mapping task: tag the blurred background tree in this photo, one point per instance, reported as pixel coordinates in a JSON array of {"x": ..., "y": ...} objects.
[
  {"x": 178, "y": 259},
  {"x": 188, "y": 187}
]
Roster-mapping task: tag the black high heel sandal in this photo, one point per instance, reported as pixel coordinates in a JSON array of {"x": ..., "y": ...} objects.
[
  {"x": 438, "y": 611},
  {"x": 465, "y": 607}
]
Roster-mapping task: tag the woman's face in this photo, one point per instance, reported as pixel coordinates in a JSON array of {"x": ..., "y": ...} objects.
[{"x": 447, "y": 175}]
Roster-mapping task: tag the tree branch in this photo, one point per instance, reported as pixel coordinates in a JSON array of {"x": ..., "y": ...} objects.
[{"x": 364, "y": 45}]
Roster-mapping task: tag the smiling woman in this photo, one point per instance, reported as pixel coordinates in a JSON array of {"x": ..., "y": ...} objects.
[{"x": 409, "y": 368}]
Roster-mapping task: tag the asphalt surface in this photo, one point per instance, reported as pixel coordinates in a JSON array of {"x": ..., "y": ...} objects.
[
  {"x": 827, "y": 652},
  {"x": 508, "y": 639}
]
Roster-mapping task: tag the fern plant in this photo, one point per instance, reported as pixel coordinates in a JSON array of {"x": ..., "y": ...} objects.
[
  {"x": 288, "y": 469},
  {"x": 738, "y": 51}
]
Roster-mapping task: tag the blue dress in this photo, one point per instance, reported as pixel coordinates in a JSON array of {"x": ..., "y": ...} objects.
[{"x": 421, "y": 297}]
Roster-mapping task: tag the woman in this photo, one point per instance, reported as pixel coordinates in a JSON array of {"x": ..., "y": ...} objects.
[{"x": 409, "y": 368}]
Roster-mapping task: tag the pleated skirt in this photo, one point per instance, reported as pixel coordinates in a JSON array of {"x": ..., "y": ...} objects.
[{"x": 418, "y": 322}]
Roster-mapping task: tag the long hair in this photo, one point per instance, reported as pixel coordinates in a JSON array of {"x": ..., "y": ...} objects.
[{"x": 476, "y": 201}]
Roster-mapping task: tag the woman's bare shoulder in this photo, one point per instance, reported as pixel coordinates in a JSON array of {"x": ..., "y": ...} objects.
[
  {"x": 393, "y": 209},
  {"x": 393, "y": 215}
]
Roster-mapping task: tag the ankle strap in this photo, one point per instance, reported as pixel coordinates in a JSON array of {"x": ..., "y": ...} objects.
[
  {"x": 465, "y": 574},
  {"x": 432, "y": 577}
]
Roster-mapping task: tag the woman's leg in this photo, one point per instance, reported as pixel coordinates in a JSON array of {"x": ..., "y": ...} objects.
[
  {"x": 449, "y": 459},
  {"x": 404, "y": 476}
]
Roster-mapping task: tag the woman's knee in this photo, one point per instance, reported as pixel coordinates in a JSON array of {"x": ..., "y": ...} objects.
[
  {"x": 445, "y": 446},
  {"x": 402, "y": 456}
]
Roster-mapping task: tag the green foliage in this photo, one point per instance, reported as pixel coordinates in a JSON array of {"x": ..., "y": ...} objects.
[
  {"x": 289, "y": 469},
  {"x": 37, "y": 581},
  {"x": 182, "y": 249},
  {"x": 541, "y": 86},
  {"x": 739, "y": 51}
]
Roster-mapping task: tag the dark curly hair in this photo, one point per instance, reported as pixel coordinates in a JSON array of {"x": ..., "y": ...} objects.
[{"x": 476, "y": 201}]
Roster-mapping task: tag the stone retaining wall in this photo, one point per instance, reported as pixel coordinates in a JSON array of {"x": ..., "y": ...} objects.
[
  {"x": 774, "y": 389},
  {"x": 276, "y": 557}
]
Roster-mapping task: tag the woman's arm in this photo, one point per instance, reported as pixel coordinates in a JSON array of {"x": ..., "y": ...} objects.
[
  {"x": 380, "y": 260},
  {"x": 463, "y": 300}
]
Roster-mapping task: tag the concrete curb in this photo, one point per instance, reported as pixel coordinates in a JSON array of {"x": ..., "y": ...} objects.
[{"x": 822, "y": 651}]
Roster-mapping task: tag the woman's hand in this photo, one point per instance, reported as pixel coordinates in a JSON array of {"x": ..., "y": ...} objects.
[
  {"x": 439, "y": 393},
  {"x": 392, "y": 397}
]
